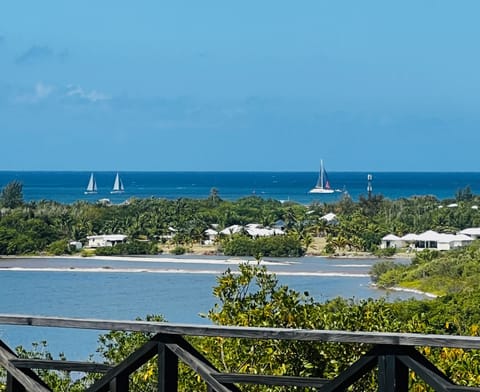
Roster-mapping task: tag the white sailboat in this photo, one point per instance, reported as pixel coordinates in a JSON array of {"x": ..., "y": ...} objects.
[
  {"x": 92, "y": 185},
  {"x": 323, "y": 185},
  {"x": 117, "y": 185}
]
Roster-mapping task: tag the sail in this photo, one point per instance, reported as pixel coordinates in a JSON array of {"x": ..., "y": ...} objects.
[
  {"x": 92, "y": 185},
  {"x": 323, "y": 184},
  {"x": 117, "y": 185}
]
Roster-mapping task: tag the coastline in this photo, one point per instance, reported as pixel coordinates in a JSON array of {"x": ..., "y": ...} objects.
[{"x": 407, "y": 290}]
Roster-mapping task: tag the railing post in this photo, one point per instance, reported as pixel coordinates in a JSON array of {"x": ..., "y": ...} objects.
[
  {"x": 167, "y": 369},
  {"x": 120, "y": 383},
  {"x": 392, "y": 374},
  {"x": 13, "y": 385}
]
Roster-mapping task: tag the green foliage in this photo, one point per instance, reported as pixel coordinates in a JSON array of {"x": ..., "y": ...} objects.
[
  {"x": 12, "y": 195},
  {"x": 274, "y": 246},
  {"x": 128, "y": 248},
  {"x": 385, "y": 252},
  {"x": 58, "y": 248},
  {"x": 362, "y": 224},
  {"x": 381, "y": 268},
  {"x": 179, "y": 250},
  {"x": 464, "y": 194}
]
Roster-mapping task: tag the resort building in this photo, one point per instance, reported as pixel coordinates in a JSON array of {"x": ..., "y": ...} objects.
[
  {"x": 330, "y": 218},
  {"x": 473, "y": 232},
  {"x": 211, "y": 235},
  {"x": 99, "y": 241},
  {"x": 392, "y": 241},
  {"x": 252, "y": 229},
  {"x": 427, "y": 240}
]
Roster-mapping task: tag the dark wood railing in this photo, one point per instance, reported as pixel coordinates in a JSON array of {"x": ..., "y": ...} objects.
[{"x": 392, "y": 354}]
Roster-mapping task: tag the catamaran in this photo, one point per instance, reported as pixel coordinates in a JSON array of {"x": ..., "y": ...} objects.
[
  {"x": 117, "y": 185},
  {"x": 92, "y": 185},
  {"x": 323, "y": 185}
]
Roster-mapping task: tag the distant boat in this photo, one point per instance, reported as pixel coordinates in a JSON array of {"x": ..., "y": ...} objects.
[
  {"x": 117, "y": 185},
  {"x": 92, "y": 185},
  {"x": 323, "y": 185}
]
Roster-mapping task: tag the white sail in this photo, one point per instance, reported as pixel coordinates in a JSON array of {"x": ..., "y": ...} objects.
[
  {"x": 92, "y": 185},
  {"x": 117, "y": 185},
  {"x": 323, "y": 185}
]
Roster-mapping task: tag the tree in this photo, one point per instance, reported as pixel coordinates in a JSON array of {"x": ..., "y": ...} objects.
[{"x": 12, "y": 195}]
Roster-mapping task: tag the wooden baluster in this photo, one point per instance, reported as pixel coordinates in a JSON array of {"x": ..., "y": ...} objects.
[
  {"x": 120, "y": 383},
  {"x": 13, "y": 385},
  {"x": 167, "y": 370},
  {"x": 392, "y": 374}
]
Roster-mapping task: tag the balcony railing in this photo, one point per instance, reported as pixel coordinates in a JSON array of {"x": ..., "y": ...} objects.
[{"x": 392, "y": 355}]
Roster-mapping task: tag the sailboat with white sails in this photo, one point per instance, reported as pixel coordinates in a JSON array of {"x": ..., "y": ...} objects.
[
  {"x": 117, "y": 185},
  {"x": 323, "y": 184},
  {"x": 92, "y": 185}
]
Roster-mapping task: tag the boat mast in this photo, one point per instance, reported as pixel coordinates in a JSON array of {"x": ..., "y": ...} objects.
[{"x": 321, "y": 173}]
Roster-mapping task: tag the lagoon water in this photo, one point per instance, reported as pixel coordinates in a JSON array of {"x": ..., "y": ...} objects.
[{"x": 179, "y": 289}]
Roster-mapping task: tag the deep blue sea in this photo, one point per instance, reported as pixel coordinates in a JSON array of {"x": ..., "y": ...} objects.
[{"x": 68, "y": 187}]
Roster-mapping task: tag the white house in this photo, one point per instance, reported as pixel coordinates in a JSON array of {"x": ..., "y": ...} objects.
[
  {"x": 330, "y": 218},
  {"x": 98, "y": 241},
  {"x": 392, "y": 241},
  {"x": 211, "y": 236},
  {"x": 473, "y": 232},
  {"x": 253, "y": 230},
  {"x": 440, "y": 241},
  {"x": 76, "y": 245}
]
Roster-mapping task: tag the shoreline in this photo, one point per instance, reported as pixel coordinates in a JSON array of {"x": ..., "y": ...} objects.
[{"x": 406, "y": 290}]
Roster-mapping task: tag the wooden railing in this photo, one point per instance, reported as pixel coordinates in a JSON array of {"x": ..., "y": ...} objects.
[{"x": 392, "y": 355}]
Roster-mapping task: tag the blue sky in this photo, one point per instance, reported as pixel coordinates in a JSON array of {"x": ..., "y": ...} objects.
[{"x": 250, "y": 85}]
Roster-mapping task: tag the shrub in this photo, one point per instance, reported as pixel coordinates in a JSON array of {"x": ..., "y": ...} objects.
[{"x": 179, "y": 250}]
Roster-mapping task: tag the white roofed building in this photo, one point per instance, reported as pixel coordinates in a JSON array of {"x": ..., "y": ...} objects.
[
  {"x": 441, "y": 241},
  {"x": 253, "y": 230},
  {"x": 392, "y": 241},
  {"x": 473, "y": 232},
  {"x": 211, "y": 235},
  {"x": 330, "y": 218},
  {"x": 99, "y": 241}
]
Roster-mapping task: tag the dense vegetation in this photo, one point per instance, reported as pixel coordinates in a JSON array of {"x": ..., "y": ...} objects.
[{"x": 48, "y": 226}]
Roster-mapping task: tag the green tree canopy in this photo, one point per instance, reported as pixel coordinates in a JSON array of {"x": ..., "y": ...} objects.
[{"x": 12, "y": 195}]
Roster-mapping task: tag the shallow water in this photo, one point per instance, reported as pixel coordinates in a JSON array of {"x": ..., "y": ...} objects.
[{"x": 179, "y": 289}]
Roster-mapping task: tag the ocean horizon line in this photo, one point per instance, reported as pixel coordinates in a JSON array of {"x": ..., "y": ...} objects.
[{"x": 238, "y": 171}]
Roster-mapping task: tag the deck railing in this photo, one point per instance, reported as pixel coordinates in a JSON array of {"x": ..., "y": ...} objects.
[{"x": 391, "y": 355}]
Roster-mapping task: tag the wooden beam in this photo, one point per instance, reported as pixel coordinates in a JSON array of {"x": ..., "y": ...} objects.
[
  {"x": 359, "y": 368},
  {"x": 131, "y": 363},
  {"x": 404, "y": 339},
  {"x": 72, "y": 366},
  {"x": 196, "y": 361},
  {"x": 27, "y": 382},
  {"x": 259, "y": 379},
  {"x": 167, "y": 369},
  {"x": 392, "y": 374}
]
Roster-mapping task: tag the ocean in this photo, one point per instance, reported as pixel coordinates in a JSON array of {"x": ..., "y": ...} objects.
[{"x": 68, "y": 187}]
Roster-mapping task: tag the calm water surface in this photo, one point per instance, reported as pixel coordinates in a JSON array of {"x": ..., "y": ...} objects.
[{"x": 119, "y": 289}]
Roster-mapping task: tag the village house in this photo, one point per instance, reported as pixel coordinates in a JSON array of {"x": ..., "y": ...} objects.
[
  {"x": 99, "y": 241},
  {"x": 254, "y": 230},
  {"x": 427, "y": 240}
]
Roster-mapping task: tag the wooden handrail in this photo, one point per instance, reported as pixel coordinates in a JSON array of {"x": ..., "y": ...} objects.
[
  {"x": 385, "y": 338},
  {"x": 392, "y": 354}
]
